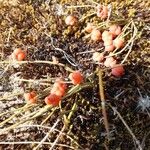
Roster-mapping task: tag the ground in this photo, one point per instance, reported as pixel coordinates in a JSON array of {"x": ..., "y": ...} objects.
[{"x": 38, "y": 27}]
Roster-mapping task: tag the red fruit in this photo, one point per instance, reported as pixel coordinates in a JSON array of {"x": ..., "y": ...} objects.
[
  {"x": 108, "y": 42},
  {"x": 18, "y": 54},
  {"x": 59, "y": 88},
  {"x": 71, "y": 20},
  {"x": 118, "y": 30},
  {"x": 59, "y": 91},
  {"x": 60, "y": 83},
  {"x": 109, "y": 62},
  {"x": 89, "y": 27},
  {"x": 21, "y": 56},
  {"x": 102, "y": 11},
  {"x": 33, "y": 101},
  {"x": 102, "y": 15},
  {"x": 95, "y": 35},
  {"x": 53, "y": 100},
  {"x": 113, "y": 63},
  {"x": 17, "y": 51},
  {"x": 118, "y": 71},
  {"x": 30, "y": 97},
  {"x": 76, "y": 77},
  {"x": 118, "y": 43},
  {"x": 105, "y": 9},
  {"x": 105, "y": 12},
  {"x": 115, "y": 29},
  {"x": 109, "y": 48},
  {"x": 99, "y": 57},
  {"x": 106, "y": 35}
]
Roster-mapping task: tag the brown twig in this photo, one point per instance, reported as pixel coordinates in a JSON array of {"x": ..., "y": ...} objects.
[{"x": 102, "y": 97}]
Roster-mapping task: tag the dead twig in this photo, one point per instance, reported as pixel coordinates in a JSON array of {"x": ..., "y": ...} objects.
[
  {"x": 102, "y": 97},
  {"x": 51, "y": 130},
  {"x": 127, "y": 127},
  {"x": 35, "y": 142}
]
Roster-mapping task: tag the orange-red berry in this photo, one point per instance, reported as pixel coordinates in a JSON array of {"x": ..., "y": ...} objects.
[
  {"x": 59, "y": 91},
  {"x": 53, "y": 100},
  {"x": 102, "y": 11},
  {"x": 98, "y": 57},
  {"x": 118, "y": 43},
  {"x": 106, "y": 35},
  {"x": 118, "y": 71},
  {"x": 59, "y": 82},
  {"x": 118, "y": 30},
  {"x": 71, "y": 20},
  {"x": 108, "y": 42},
  {"x": 95, "y": 35},
  {"x": 109, "y": 62},
  {"x": 17, "y": 51},
  {"x": 115, "y": 29},
  {"x": 109, "y": 48},
  {"x": 76, "y": 77},
  {"x": 113, "y": 63},
  {"x": 30, "y": 97},
  {"x": 89, "y": 27},
  {"x": 18, "y": 54},
  {"x": 33, "y": 101},
  {"x": 59, "y": 88},
  {"x": 21, "y": 56}
]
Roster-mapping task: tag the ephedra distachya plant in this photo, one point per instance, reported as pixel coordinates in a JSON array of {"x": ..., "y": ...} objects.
[{"x": 116, "y": 39}]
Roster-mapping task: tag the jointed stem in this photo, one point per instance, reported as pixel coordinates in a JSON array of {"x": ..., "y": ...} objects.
[
  {"x": 102, "y": 97},
  {"x": 37, "y": 62},
  {"x": 80, "y": 6}
]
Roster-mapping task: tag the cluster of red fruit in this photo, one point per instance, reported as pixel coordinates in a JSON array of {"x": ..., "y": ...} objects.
[
  {"x": 110, "y": 44},
  {"x": 109, "y": 37},
  {"x": 116, "y": 69},
  {"x": 101, "y": 11},
  {"x": 58, "y": 90}
]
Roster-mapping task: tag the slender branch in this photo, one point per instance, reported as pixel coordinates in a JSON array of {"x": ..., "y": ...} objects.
[
  {"x": 10, "y": 96},
  {"x": 128, "y": 128},
  {"x": 44, "y": 139},
  {"x": 49, "y": 128},
  {"x": 35, "y": 142},
  {"x": 53, "y": 110},
  {"x": 56, "y": 140},
  {"x": 37, "y": 62},
  {"x": 80, "y": 6},
  {"x": 102, "y": 97}
]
